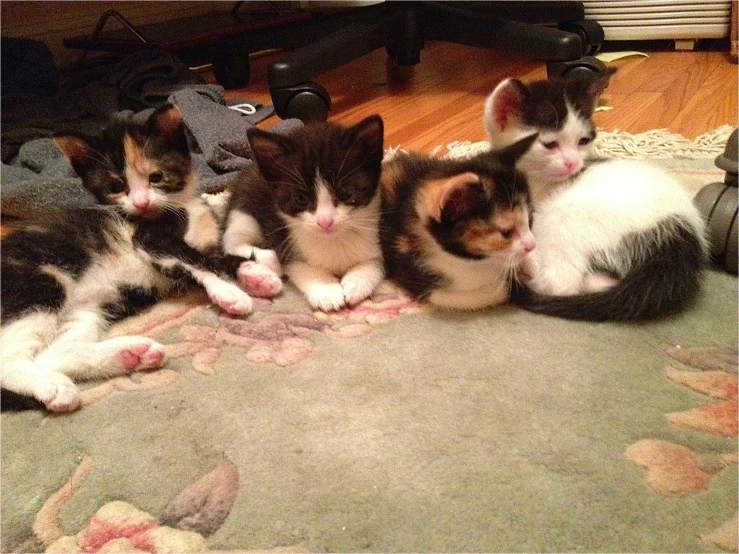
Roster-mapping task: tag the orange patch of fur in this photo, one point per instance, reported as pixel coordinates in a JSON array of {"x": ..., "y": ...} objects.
[
  {"x": 136, "y": 159},
  {"x": 392, "y": 175}
]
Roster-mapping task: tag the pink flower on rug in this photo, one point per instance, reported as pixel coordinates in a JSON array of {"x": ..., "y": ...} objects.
[
  {"x": 673, "y": 469},
  {"x": 121, "y": 527},
  {"x": 286, "y": 338}
]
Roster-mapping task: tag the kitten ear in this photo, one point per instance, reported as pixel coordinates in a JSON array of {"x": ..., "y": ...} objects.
[
  {"x": 166, "y": 121},
  {"x": 368, "y": 134},
  {"x": 267, "y": 147},
  {"x": 76, "y": 149},
  {"x": 511, "y": 154},
  {"x": 503, "y": 106},
  {"x": 588, "y": 89},
  {"x": 453, "y": 197}
]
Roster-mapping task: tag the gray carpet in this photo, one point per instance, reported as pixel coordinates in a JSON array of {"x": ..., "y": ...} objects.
[{"x": 394, "y": 428}]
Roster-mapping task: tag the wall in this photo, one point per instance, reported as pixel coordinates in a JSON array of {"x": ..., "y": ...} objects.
[{"x": 50, "y": 22}]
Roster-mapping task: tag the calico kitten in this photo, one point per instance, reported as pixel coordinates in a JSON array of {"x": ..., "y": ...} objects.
[
  {"x": 454, "y": 231},
  {"x": 67, "y": 275},
  {"x": 311, "y": 202},
  {"x": 617, "y": 239},
  {"x": 160, "y": 178}
]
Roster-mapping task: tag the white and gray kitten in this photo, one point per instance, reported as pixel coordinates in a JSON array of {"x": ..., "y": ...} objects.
[{"x": 616, "y": 239}]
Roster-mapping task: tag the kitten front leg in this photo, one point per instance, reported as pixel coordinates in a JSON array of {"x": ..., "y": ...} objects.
[
  {"x": 322, "y": 289},
  {"x": 204, "y": 270},
  {"x": 261, "y": 273},
  {"x": 361, "y": 281},
  {"x": 261, "y": 277},
  {"x": 227, "y": 296}
]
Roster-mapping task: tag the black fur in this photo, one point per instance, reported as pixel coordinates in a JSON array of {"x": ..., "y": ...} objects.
[
  {"x": 282, "y": 180},
  {"x": 663, "y": 281}
]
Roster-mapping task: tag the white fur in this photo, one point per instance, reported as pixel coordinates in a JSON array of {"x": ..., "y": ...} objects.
[
  {"x": 606, "y": 202},
  {"x": 577, "y": 215},
  {"x": 43, "y": 352},
  {"x": 262, "y": 277},
  {"x": 341, "y": 267}
]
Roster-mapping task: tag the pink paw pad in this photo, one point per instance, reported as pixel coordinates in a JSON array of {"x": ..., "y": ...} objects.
[
  {"x": 259, "y": 280},
  {"x": 142, "y": 356}
]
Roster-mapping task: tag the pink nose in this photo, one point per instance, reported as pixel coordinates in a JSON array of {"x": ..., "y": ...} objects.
[
  {"x": 570, "y": 164},
  {"x": 326, "y": 223},
  {"x": 141, "y": 203},
  {"x": 529, "y": 244}
]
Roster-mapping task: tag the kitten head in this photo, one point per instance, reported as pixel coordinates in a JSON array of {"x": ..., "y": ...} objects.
[
  {"x": 325, "y": 176},
  {"x": 143, "y": 169},
  {"x": 560, "y": 110},
  {"x": 482, "y": 212}
]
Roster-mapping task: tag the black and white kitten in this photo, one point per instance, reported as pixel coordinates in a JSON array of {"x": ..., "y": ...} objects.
[
  {"x": 616, "y": 239},
  {"x": 311, "y": 203},
  {"x": 453, "y": 232},
  {"x": 66, "y": 275}
]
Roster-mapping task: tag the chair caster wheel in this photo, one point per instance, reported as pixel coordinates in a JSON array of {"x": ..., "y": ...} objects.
[
  {"x": 718, "y": 203},
  {"x": 307, "y": 102},
  {"x": 575, "y": 68},
  {"x": 590, "y": 33},
  {"x": 231, "y": 70}
]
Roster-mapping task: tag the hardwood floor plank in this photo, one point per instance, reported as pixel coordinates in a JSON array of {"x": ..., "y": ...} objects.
[{"x": 441, "y": 99}]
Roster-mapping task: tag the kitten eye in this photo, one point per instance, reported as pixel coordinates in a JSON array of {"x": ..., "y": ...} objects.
[
  {"x": 301, "y": 200},
  {"x": 506, "y": 233},
  {"x": 585, "y": 140},
  {"x": 116, "y": 187},
  {"x": 156, "y": 177},
  {"x": 550, "y": 145}
]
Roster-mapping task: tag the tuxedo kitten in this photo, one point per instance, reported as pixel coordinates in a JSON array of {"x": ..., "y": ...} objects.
[
  {"x": 311, "y": 203},
  {"x": 617, "y": 239},
  {"x": 454, "y": 231},
  {"x": 66, "y": 275}
]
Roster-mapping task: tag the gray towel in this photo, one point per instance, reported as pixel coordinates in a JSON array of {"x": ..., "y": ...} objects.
[{"x": 40, "y": 174}]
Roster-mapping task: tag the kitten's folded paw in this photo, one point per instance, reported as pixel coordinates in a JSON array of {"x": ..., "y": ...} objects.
[
  {"x": 59, "y": 393},
  {"x": 356, "y": 289},
  {"x": 147, "y": 354},
  {"x": 259, "y": 280},
  {"x": 528, "y": 268},
  {"x": 231, "y": 299},
  {"x": 327, "y": 297}
]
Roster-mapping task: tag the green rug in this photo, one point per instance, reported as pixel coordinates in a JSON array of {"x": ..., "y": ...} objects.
[{"x": 395, "y": 428}]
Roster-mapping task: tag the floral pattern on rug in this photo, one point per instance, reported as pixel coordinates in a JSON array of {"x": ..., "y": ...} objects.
[
  {"x": 673, "y": 469},
  {"x": 195, "y": 514},
  {"x": 265, "y": 336}
]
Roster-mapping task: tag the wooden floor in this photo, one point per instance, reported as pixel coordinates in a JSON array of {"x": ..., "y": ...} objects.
[{"x": 441, "y": 99}]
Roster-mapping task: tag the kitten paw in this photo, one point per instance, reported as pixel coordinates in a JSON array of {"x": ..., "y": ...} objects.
[
  {"x": 231, "y": 299},
  {"x": 356, "y": 290},
  {"x": 327, "y": 298},
  {"x": 148, "y": 354},
  {"x": 59, "y": 394},
  {"x": 259, "y": 280},
  {"x": 269, "y": 259}
]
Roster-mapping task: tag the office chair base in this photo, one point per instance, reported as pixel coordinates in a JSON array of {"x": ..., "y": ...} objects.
[
  {"x": 590, "y": 33},
  {"x": 307, "y": 101},
  {"x": 574, "y": 68},
  {"x": 232, "y": 70}
]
